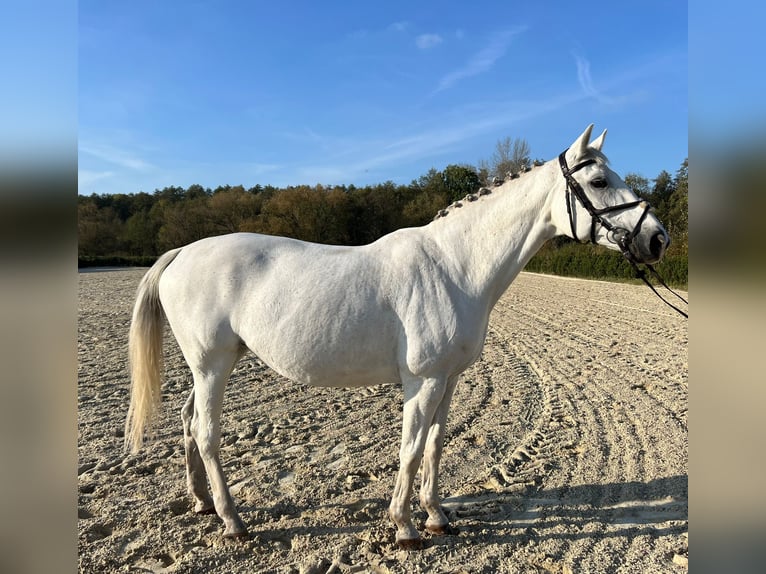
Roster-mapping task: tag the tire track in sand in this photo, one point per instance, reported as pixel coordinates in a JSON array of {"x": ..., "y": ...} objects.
[{"x": 632, "y": 444}]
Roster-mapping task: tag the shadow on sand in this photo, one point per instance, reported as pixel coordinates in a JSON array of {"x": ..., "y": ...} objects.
[{"x": 628, "y": 509}]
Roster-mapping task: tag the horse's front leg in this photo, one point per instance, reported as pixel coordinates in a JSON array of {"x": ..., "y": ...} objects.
[
  {"x": 421, "y": 400},
  {"x": 437, "y": 522}
]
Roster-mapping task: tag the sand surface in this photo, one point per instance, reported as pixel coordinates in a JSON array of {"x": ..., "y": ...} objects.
[{"x": 566, "y": 450}]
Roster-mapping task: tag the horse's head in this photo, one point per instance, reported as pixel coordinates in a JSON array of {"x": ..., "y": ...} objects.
[{"x": 598, "y": 205}]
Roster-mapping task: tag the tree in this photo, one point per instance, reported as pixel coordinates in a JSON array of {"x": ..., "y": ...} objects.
[
  {"x": 677, "y": 211},
  {"x": 98, "y": 229},
  {"x": 459, "y": 181},
  {"x": 430, "y": 182},
  {"x": 140, "y": 233},
  {"x": 195, "y": 191},
  {"x": 122, "y": 205},
  {"x": 483, "y": 170},
  {"x": 423, "y": 208},
  {"x": 170, "y": 193},
  {"x": 221, "y": 189},
  {"x": 510, "y": 156},
  {"x": 663, "y": 188},
  {"x": 638, "y": 184},
  {"x": 299, "y": 212},
  {"x": 428, "y": 194},
  {"x": 184, "y": 222},
  {"x": 234, "y": 209},
  {"x": 375, "y": 211},
  {"x": 142, "y": 201}
]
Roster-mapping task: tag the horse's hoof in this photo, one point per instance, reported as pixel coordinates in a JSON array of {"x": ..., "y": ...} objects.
[
  {"x": 410, "y": 544},
  {"x": 445, "y": 530},
  {"x": 237, "y": 536},
  {"x": 205, "y": 511}
]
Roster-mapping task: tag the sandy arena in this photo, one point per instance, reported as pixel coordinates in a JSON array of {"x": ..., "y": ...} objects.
[{"x": 566, "y": 450}]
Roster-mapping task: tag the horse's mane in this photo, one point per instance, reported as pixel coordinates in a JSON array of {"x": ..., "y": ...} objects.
[{"x": 487, "y": 190}]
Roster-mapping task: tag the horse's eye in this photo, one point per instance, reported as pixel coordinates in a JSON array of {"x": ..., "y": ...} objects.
[{"x": 599, "y": 183}]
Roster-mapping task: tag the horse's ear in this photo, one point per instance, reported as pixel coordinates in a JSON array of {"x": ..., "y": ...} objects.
[
  {"x": 598, "y": 143},
  {"x": 580, "y": 146}
]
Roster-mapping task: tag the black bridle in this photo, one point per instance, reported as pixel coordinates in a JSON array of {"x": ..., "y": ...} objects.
[{"x": 617, "y": 235}]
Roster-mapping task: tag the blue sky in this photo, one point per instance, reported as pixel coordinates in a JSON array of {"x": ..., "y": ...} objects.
[
  {"x": 225, "y": 92},
  {"x": 727, "y": 103}
]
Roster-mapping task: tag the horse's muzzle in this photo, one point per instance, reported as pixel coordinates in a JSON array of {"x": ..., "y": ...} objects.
[{"x": 649, "y": 248}]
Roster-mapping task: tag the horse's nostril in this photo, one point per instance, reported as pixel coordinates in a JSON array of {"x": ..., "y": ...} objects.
[{"x": 658, "y": 243}]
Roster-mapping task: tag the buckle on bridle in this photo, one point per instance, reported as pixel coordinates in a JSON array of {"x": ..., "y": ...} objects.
[{"x": 617, "y": 235}]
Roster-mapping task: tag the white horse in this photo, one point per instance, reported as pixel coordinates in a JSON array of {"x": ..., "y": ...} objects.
[{"x": 411, "y": 307}]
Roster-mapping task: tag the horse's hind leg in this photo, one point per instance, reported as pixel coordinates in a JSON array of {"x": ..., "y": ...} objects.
[
  {"x": 437, "y": 522},
  {"x": 209, "y": 383},
  {"x": 196, "y": 479}
]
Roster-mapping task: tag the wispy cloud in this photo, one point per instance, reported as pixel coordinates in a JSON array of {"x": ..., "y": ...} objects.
[
  {"x": 399, "y": 26},
  {"x": 115, "y": 156},
  {"x": 376, "y": 156},
  {"x": 86, "y": 177},
  {"x": 306, "y": 134},
  {"x": 482, "y": 61},
  {"x": 427, "y": 41},
  {"x": 264, "y": 168},
  {"x": 586, "y": 82}
]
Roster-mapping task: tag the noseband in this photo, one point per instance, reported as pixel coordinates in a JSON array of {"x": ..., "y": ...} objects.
[{"x": 617, "y": 235}]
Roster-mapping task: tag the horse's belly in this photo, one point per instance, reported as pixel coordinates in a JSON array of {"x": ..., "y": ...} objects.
[
  {"x": 333, "y": 368},
  {"x": 353, "y": 378},
  {"x": 326, "y": 353}
]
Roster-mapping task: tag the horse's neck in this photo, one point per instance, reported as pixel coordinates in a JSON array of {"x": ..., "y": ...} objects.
[{"x": 487, "y": 242}]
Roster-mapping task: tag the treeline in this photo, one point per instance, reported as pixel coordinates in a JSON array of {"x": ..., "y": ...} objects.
[
  {"x": 145, "y": 225},
  {"x": 126, "y": 229}
]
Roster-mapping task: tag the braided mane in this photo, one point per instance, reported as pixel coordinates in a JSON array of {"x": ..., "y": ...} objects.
[{"x": 483, "y": 190}]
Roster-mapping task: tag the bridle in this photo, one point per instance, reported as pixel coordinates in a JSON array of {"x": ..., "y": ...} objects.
[{"x": 617, "y": 235}]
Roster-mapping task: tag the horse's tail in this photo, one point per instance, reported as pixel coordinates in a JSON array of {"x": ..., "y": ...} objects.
[{"x": 145, "y": 353}]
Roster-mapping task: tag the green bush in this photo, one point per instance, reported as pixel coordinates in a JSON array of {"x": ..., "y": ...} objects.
[{"x": 594, "y": 262}]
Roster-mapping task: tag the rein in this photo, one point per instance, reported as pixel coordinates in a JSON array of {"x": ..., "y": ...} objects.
[{"x": 617, "y": 235}]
